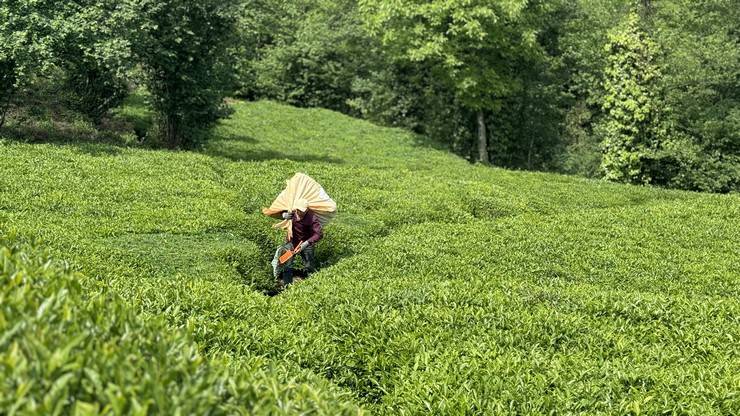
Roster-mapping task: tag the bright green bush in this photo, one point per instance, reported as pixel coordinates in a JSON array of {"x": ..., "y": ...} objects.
[
  {"x": 633, "y": 130},
  {"x": 68, "y": 350},
  {"x": 604, "y": 312},
  {"x": 446, "y": 288}
]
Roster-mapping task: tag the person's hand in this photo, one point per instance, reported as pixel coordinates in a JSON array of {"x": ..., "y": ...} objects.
[
  {"x": 287, "y": 215},
  {"x": 303, "y": 246}
]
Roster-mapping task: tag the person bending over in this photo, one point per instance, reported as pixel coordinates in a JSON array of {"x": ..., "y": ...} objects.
[{"x": 306, "y": 233}]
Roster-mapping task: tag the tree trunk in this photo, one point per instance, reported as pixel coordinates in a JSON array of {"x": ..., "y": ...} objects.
[
  {"x": 171, "y": 132},
  {"x": 647, "y": 8},
  {"x": 3, "y": 112},
  {"x": 5, "y": 107},
  {"x": 482, "y": 139}
]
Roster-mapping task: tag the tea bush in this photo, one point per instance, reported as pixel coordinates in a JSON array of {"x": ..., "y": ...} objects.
[
  {"x": 606, "y": 312},
  {"x": 64, "y": 350},
  {"x": 446, "y": 288}
]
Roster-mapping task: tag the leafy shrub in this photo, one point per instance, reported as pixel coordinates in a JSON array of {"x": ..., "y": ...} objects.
[
  {"x": 93, "y": 90},
  {"x": 446, "y": 288},
  {"x": 683, "y": 164},
  {"x": 447, "y": 318},
  {"x": 183, "y": 48},
  {"x": 69, "y": 350}
]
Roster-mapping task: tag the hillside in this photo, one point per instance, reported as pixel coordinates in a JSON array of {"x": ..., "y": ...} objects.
[{"x": 447, "y": 288}]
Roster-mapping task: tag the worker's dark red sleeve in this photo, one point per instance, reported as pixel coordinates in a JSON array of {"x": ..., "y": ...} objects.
[{"x": 317, "y": 233}]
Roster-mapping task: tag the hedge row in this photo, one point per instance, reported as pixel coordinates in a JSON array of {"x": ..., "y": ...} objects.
[{"x": 65, "y": 350}]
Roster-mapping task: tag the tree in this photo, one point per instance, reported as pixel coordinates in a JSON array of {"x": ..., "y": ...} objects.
[
  {"x": 93, "y": 51},
  {"x": 305, "y": 53},
  {"x": 695, "y": 49},
  {"x": 183, "y": 48},
  {"x": 701, "y": 80},
  {"x": 78, "y": 37},
  {"x": 26, "y": 45},
  {"x": 585, "y": 28},
  {"x": 477, "y": 45},
  {"x": 632, "y": 129}
]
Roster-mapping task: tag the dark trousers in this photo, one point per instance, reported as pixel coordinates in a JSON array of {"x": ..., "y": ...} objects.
[{"x": 309, "y": 263}]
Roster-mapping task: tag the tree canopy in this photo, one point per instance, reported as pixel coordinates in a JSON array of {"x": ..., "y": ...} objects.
[{"x": 631, "y": 91}]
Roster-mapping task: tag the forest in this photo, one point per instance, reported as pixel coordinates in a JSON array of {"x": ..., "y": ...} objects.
[{"x": 641, "y": 92}]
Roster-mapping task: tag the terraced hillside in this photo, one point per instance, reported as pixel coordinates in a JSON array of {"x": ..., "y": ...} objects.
[{"x": 446, "y": 288}]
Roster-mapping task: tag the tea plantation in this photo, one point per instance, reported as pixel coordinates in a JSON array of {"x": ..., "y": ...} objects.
[{"x": 446, "y": 288}]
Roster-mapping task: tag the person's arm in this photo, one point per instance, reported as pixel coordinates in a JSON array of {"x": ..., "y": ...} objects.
[{"x": 317, "y": 233}]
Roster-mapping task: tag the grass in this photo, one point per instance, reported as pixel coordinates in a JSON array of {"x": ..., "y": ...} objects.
[{"x": 447, "y": 288}]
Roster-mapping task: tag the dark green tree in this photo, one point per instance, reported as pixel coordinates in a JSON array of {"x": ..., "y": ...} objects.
[
  {"x": 702, "y": 92},
  {"x": 477, "y": 46},
  {"x": 94, "y": 54},
  {"x": 184, "y": 49},
  {"x": 27, "y": 39},
  {"x": 307, "y": 53}
]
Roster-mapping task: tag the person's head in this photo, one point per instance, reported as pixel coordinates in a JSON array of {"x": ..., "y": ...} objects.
[{"x": 301, "y": 206}]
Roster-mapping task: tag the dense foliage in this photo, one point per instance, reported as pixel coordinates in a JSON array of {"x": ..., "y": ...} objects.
[
  {"x": 183, "y": 49},
  {"x": 632, "y": 126},
  {"x": 631, "y": 91},
  {"x": 133, "y": 279},
  {"x": 537, "y": 74},
  {"x": 95, "y": 49},
  {"x": 25, "y": 46},
  {"x": 446, "y": 288}
]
